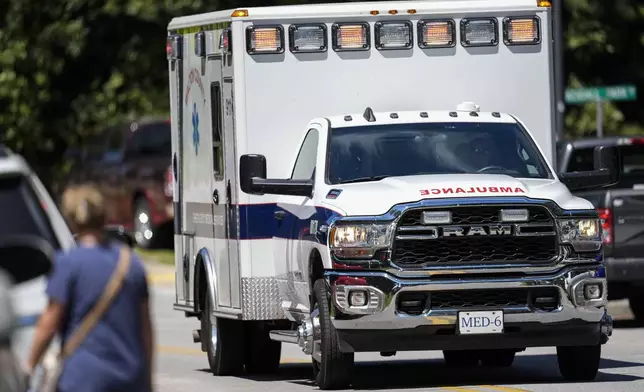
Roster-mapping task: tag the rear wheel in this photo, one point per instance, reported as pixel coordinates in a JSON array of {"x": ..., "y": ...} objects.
[
  {"x": 332, "y": 368},
  {"x": 580, "y": 363},
  {"x": 262, "y": 353},
  {"x": 461, "y": 358},
  {"x": 224, "y": 341}
]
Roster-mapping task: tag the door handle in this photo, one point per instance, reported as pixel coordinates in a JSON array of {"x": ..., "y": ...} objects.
[
  {"x": 279, "y": 215},
  {"x": 215, "y": 196}
]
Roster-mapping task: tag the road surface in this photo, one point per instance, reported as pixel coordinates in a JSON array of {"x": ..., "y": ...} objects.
[{"x": 182, "y": 367}]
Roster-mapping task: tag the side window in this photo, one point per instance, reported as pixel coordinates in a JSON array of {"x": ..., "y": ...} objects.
[
  {"x": 305, "y": 163},
  {"x": 217, "y": 140}
]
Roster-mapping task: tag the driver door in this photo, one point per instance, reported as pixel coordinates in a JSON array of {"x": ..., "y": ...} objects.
[{"x": 293, "y": 215}]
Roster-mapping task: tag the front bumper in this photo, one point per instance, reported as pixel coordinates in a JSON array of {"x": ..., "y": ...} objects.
[{"x": 382, "y": 326}]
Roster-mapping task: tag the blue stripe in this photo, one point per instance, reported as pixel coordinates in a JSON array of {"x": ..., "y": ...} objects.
[
  {"x": 28, "y": 320},
  {"x": 257, "y": 221}
]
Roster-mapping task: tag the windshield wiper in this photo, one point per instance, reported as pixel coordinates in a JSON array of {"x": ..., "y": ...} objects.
[{"x": 363, "y": 179}]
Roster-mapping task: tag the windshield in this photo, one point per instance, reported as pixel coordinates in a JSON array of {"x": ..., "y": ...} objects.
[
  {"x": 22, "y": 212},
  {"x": 374, "y": 152}
]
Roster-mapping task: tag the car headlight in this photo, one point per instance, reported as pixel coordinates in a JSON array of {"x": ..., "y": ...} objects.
[
  {"x": 585, "y": 235},
  {"x": 359, "y": 240}
]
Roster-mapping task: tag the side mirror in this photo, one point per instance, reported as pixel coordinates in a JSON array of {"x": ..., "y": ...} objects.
[
  {"x": 608, "y": 166},
  {"x": 119, "y": 233},
  {"x": 25, "y": 258},
  {"x": 252, "y": 177},
  {"x": 251, "y": 166}
]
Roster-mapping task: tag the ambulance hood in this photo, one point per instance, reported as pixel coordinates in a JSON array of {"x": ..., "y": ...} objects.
[{"x": 377, "y": 197}]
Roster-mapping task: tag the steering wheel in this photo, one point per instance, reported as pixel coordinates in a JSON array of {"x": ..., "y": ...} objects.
[{"x": 491, "y": 167}]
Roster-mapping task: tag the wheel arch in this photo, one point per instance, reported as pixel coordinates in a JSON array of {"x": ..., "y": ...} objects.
[
  {"x": 205, "y": 280},
  {"x": 316, "y": 268}
]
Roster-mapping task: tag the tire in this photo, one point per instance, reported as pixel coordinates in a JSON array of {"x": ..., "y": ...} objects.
[
  {"x": 579, "y": 363},
  {"x": 334, "y": 370},
  {"x": 497, "y": 358},
  {"x": 262, "y": 354},
  {"x": 143, "y": 223},
  {"x": 226, "y": 352},
  {"x": 636, "y": 303},
  {"x": 460, "y": 358}
]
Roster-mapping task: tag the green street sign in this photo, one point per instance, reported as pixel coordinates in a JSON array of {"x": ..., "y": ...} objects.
[{"x": 604, "y": 93}]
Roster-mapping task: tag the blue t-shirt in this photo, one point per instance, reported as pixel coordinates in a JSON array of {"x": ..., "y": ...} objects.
[{"x": 112, "y": 357}]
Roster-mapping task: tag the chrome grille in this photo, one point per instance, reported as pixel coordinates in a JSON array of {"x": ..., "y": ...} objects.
[{"x": 416, "y": 245}]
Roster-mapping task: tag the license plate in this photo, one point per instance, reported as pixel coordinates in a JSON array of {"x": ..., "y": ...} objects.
[{"x": 470, "y": 323}]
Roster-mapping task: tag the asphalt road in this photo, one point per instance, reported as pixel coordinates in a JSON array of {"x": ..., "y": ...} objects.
[{"x": 181, "y": 366}]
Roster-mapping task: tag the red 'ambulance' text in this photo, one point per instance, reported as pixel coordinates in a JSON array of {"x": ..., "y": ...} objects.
[{"x": 478, "y": 189}]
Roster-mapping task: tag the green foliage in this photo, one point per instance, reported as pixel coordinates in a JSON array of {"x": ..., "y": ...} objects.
[
  {"x": 604, "y": 46},
  {"x": 68, "y": 67}
]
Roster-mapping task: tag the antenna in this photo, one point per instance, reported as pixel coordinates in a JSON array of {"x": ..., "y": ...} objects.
[{"x": 368, "y": 115}]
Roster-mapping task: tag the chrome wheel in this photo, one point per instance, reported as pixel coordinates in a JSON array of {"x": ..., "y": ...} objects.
[
  {"x": 143, "y": 228},
  {"x": 213, "y": 335}
]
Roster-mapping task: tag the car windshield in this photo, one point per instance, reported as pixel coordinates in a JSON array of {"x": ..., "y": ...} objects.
[
  {"x": 374, "y": 152},
  {"x": 22, "y": 212}
]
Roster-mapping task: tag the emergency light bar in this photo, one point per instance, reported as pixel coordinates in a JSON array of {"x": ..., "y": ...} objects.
[
  {"x": 521, "y": 31},
  {"x": 394, "y": 35},
  {"x": 436, "y": 33},
  {"x": 479, "y": 32},
  {"x": 265, "y": 39},
  {"x": 350, "y": 36},
  {"x": 307, "y": 38}
]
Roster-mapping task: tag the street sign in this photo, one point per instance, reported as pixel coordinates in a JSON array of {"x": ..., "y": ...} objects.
[{"x": 604, "y": 93}]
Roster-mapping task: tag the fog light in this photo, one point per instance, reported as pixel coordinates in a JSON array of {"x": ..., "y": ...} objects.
[
  {"x": 358, "y": 298},
  {"x": 592, "y": 291}
]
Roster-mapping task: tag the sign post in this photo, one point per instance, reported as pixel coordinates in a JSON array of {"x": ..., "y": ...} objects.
[{"x": 599, "y": 95}]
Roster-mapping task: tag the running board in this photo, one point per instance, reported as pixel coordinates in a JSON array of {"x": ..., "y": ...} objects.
[{"x": 284, "y": 336}]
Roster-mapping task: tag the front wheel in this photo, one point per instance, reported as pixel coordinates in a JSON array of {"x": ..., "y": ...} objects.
[
  {"x": 332, "y": 368},
  {"x": 579, "y": 363}
]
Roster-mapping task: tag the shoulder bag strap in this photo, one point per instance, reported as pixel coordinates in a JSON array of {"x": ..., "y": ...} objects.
[{"x": 109, "y": 293}]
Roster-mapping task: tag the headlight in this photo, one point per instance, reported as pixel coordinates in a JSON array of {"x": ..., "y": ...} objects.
[
  {"x": 585, "y": 235},
  {"x": 359, "y": 240}
]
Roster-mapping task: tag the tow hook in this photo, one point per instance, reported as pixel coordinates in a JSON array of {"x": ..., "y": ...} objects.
[{"x": 606, "y": 329}]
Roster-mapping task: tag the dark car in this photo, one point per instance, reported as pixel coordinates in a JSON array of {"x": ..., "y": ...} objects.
[
  {"x": 130, "y": 163},
  {"x": 621, "y": 208}
]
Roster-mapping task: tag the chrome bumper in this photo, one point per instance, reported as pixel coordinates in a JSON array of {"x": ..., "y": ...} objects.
[{"x": 381, "y": 312}]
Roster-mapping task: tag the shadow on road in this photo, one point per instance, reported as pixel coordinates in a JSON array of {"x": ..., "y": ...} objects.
[
  {"x": 527, "y": 369},
  {"x": 628, "y": 324}
]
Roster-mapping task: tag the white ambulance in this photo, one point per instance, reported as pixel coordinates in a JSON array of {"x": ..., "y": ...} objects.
[{"x": 378, "y": 177}]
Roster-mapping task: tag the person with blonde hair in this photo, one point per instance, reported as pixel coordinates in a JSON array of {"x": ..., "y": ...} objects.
[{"x": 98, "y": 304}]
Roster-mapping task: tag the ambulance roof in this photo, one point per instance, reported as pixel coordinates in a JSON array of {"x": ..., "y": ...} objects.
[
  {"x": 317, "y": 11},
  {"x": 407, "y": 117}
]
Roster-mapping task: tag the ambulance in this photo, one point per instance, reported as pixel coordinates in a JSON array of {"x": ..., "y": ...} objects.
[{"x": 378, "y": 177}]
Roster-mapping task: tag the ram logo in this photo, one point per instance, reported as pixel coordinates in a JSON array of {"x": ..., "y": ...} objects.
[{"x": 480, "y": 230}]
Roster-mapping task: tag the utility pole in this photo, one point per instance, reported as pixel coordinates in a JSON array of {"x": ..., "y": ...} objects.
[{"x": 557, "y": 21}]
